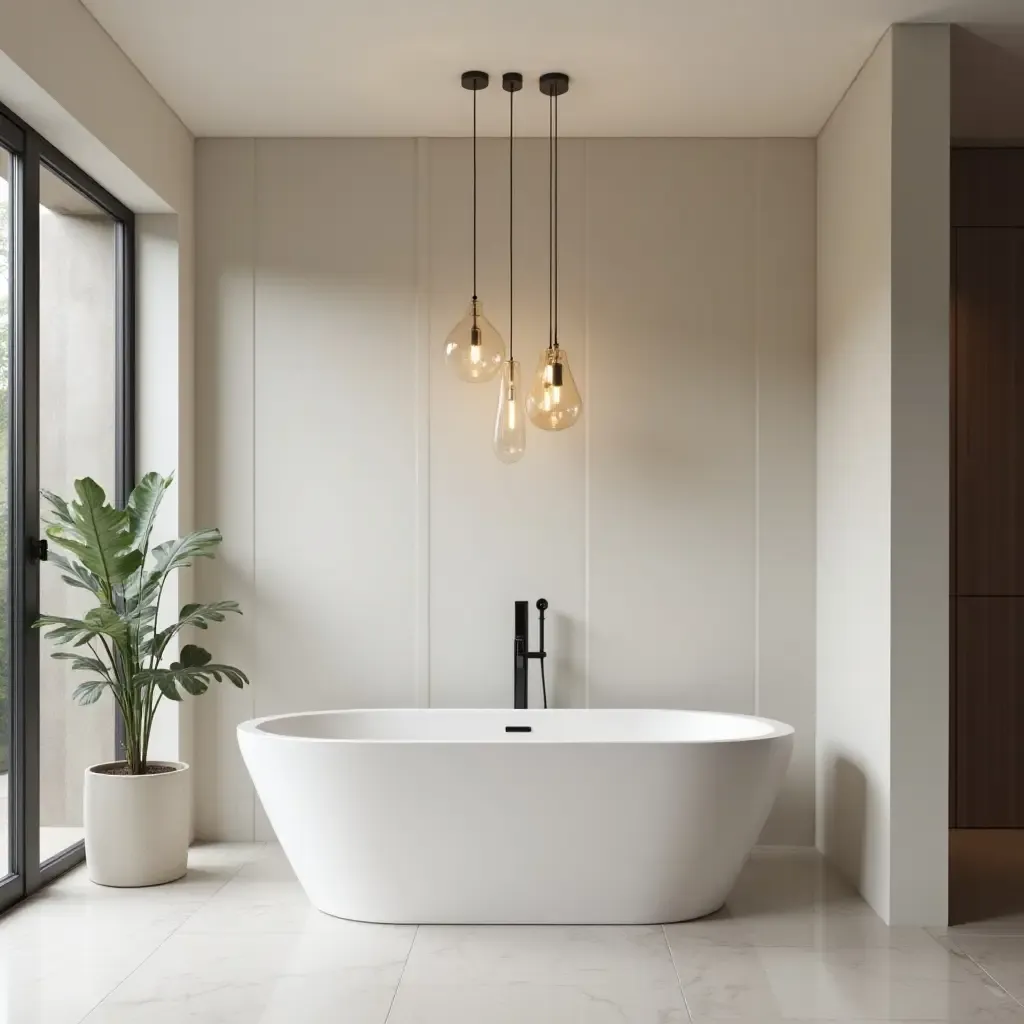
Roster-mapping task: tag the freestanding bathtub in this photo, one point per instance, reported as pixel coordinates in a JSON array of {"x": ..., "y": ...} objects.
[{"x": 539, "y": 817}]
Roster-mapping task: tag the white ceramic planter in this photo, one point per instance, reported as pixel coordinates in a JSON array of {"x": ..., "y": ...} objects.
[{"x": 137, "y": 826}]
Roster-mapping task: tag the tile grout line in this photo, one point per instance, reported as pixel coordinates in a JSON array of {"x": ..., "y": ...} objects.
[
  {"x": 160, "y": 945},
  {"x": 391, "y": 1006},
  {"x": 984, "y": 970},
  {"x": 675, "y": 970}
]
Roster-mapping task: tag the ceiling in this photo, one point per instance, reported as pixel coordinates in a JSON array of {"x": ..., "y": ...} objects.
[{"x": 391, "y": 67}]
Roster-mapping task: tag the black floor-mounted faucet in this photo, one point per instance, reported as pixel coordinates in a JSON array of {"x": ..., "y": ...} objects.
[{"x": 523, "y": 654}]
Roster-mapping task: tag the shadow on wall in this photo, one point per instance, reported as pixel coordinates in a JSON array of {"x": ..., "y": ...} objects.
[
  {"x": 569, "y": 690},
  {"x": 846, "y": 818}
]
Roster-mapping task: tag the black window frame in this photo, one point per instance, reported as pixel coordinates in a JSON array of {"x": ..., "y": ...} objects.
[{"x": 30, "y": 152}]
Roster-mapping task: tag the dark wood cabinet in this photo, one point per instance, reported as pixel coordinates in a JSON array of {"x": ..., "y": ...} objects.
[
  {"x": 989, "y": 411},
  {"x": 987, "y": 490},
  {"x": 989, "y": 712}
]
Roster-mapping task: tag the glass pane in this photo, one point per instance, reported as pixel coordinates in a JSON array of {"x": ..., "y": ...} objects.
[
  {"x": 77, "y": 319},
  {"x": 5, "y": 322}
]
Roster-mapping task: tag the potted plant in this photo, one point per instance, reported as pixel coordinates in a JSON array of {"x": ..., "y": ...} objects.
[{"x": 136, "y": 811}]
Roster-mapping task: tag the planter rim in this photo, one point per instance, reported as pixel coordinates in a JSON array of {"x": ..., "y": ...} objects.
[{"x": 178, "y": 766}]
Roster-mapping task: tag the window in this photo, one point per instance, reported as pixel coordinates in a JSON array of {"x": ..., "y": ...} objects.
[{"x": 66, "y": 377}]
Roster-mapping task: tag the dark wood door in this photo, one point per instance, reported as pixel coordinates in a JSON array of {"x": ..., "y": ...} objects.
[{"x": 988, "y": 526}]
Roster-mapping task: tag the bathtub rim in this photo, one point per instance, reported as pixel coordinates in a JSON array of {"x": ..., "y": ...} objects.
[{"x": 252, "y": 727}]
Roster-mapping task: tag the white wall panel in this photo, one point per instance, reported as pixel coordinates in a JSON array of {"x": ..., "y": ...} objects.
[
  {"x": 785, "y": 497},
  {"x": 335, "y": 425},
  {"x": 854, "y": 386},
  {"x": 388, "y": 544},
  {"x": 500, "y": 533},
  {"x": 671, "y": 286},
  {"x": 225, "y": 296}
]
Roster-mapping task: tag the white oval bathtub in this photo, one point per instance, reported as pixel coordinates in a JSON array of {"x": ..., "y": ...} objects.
[{"x": 591, "y": 817}]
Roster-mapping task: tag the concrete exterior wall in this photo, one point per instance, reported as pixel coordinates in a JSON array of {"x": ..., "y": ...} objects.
[{"x": 76, "y": 439}]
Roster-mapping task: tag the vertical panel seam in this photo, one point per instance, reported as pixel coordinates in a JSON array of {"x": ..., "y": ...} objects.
[
  {"x": 757, "y": 423},
  {"x": 421, "y": 195},
  {"x": 253, "y": 258},
  {"x": 586, "y": 423}
]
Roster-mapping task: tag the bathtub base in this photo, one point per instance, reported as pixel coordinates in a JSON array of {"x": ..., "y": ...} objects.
[
  {"x": 539, "y": 918},
  {"x": 417, "y": 817}
]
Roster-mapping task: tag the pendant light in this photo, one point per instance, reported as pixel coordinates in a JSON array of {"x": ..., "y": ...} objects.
[
  {"x": 510, "y": 425},
  {"x": 554, "y": 401},
  {"x": 474, "y": 349}
]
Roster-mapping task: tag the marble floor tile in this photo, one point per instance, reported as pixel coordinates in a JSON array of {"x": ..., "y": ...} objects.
[
  {"x": 527, "y": 954},
  {"x": 1001, "y": 957},
  {"x": 791, "y": 881},
  {"x": 350, "y": 976},
  {"x": 56, "y": 964},
  {"x": 595, "y": 1002},
  {"x": 210, "y": 868},
  {"x": 237, "y": 942},
  {"x": 228, "y": 914},
  {"x": 822, "y": 927},
  {"x": 265, "y": 877},
  {"x": 839, "y": 984}
]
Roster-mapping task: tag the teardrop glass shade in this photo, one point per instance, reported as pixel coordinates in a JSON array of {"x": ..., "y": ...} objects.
[
  {"x": 554, "y": 401},
  {"x": 474, "y": 349},
  {"x": 510, "y": 425}
]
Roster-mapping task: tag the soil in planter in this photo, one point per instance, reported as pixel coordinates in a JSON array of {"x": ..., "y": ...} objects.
[{"x": 122, "y": 769}]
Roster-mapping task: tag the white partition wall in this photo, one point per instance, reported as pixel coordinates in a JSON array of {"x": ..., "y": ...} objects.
[
  {"x": 373, "y": 539},
  {"x": 883, "y": 478}
]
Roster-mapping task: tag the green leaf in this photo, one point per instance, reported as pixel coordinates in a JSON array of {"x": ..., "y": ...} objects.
[
  {"x": 81, "y": 663},
  {"x": 60, "y": 510},
  {"x": 182, "y": 552},
  {"x": 176, "y": 554},
  {"x": 192, "y": 656},
  {"x": 75, "y": 574},
  {"x": 98, "y": 536},
  {"x": 197, "y": 615},
  {"x": 165, "y": 681},
  {"x": 143, "y": 506},
  {"x": 89, "y": 692},
  {"x": 64, "y": 629},
  {"x": 201, "y": 615},
  {"x": 108, "y": 622},
  {"x": 98, "y": 621},
  {"x": 193, "y": 673}
]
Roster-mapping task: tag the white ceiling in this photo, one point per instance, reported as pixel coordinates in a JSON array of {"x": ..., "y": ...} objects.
[{"x": 391, "y": 67}]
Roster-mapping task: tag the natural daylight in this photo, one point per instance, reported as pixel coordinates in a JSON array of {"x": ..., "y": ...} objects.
[{"x": 512, "y": 514}]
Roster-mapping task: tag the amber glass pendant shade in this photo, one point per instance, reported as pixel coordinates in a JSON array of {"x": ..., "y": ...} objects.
[
  {"x": 554, "y": 401},
  {"x": 474, "y": 349}
]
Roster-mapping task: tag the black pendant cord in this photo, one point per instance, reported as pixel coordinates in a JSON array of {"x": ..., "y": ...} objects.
[
  {"x": 474, "y": 196},
  {"x": 551, "y": 220},
  {"x": 511, "y": 132},
  {"x": 555, "y": 261}
]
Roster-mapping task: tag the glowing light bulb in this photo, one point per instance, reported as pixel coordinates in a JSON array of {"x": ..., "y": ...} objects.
[
  {"x": 509, "y": 427},
  {"x": 474, "y": 349},
  {"x": 554, "y": 401}
]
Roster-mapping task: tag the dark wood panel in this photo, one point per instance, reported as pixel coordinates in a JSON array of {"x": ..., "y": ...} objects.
[
  {"x": 989, "y": 411},
  {"x": 989, "y": 712},
  {"x": 986, "y": 188}
]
